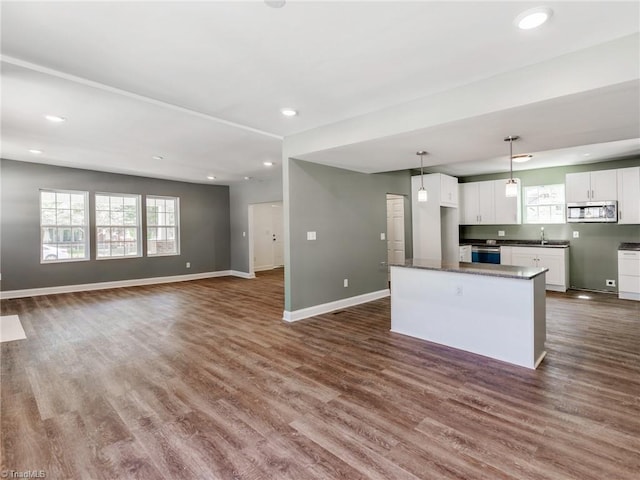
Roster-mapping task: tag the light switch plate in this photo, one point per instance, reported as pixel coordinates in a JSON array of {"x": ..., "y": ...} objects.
[
  {"x": 576, "y": 234},
  {"x": 311, "y": 235},
  {"x": 501, "y": 233},
  {"x": 383, "y": 236}
]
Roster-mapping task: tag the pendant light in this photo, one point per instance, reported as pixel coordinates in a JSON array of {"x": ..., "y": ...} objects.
[
  {"x": 422, "y": 193},
  {"x": 511, "y": 189}
]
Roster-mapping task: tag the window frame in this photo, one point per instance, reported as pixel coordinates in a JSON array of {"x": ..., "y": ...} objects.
[
  {"x": 138, "y": 226},
  {"x": 176, "y": 226},
  {"x": 526, "y": 205},
  {"x": 86, "y": 226}
]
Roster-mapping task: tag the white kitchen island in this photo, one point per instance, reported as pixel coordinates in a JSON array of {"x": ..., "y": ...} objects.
[{"x": 498, "y": 311}]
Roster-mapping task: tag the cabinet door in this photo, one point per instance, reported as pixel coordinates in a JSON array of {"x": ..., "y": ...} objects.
[
  {"x": 448, "y": 191},
  {"x": 486, "y": 203},
  {"x": 506, "y": 208},
  {"x": 578, "y": 187},
  {"x": 469, "y": 202},
  {"x": 555, "y": 264},
  {"x": 604, "y": 185},
  {"x": 522, "y": 259},
  {"x": 629, "y": 195}
]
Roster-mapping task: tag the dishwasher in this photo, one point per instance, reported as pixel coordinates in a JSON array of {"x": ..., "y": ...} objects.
[{"x": 485, "y": 254}]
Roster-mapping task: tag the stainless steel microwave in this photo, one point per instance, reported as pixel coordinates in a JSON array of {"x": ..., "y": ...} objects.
[{"x": 606, "y": 212}]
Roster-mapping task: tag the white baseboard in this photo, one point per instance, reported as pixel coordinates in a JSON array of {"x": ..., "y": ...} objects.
[
  {"x": 303, "y": 313},
  {"x": 236, "y": 273},
  {"x": 34, "y": 292}
]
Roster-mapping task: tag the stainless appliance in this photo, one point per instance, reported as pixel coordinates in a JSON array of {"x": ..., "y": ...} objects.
[
  {"x": 485, "y": 254},
  {"x": 605, "y": 211}
]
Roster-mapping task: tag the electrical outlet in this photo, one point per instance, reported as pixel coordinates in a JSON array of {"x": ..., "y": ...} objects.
[
  {"x": 244, "y": 234},
  {"x": 383, "y": 236},
  {"x": 188, "y": 264},
  {"x": 611, "y": 283},
  {"x": 311, "y": 235},
  {"x": 346, "y": 282},
  {"x": 458, "y": 290},
  {"x": 501, "y": 233},
  {"x": 576, "y": 234}
]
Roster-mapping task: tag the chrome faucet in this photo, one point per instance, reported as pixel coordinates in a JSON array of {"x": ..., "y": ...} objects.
[{"x": 542, "y": 239}]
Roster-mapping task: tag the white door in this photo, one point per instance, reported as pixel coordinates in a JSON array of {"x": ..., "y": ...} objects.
[
  {"x": 395, "y": 229},
  {"x": 262, "y": 236},
  {"x": 278, "y": 234},
  {"x": 267, "y": 235}
]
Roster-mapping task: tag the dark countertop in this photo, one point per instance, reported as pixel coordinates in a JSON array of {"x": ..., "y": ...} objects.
[
  {"x": 487, "y": 269},
  {"x": 516, "y": 243},
  {"x": 629, "y": 246}
]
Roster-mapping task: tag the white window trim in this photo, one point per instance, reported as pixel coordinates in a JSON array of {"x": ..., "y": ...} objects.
[
  {"x": 525, "y": 205},
  {"x": 177, "y": 226},
  {"x": 138, "y": 225},
  {"x": 86, "y": 226}
]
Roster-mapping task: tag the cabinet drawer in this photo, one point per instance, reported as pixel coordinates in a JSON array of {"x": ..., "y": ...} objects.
[
  {"x": 629, "y": 283},
  {"x": 629, "y": 265}
]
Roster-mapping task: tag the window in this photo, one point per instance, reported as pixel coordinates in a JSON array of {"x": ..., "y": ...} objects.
[
  {"x": 163, "y": 232},
  {"x": 64, "y": 226},
  {"x": 544, "y": 204},
  {"x": 118, "y": 225}
]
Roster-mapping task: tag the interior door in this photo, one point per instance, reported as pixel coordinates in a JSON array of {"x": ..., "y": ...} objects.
[
  {"x": 262, "y": 233},
  {"x": 277, "y": 234},
  {"x": 395, "y": 229}
]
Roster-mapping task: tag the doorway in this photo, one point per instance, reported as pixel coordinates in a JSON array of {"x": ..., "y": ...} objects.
[
  {"x": 396, "y": 248},
  {"x": 266, "y": 236}
]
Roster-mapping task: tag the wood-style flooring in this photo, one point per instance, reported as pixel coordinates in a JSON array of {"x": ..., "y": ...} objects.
[{"x": 204, "y": 380}]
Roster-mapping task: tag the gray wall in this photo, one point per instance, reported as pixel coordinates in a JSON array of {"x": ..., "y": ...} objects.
[
  {"x": 593, "y": 256},
  {"x": 204, "y": 224},
  {"x": 348, "y": 211},
  {"x": 241, "y": 196}
]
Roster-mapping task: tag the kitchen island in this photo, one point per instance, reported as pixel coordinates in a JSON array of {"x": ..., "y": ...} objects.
[{"x": 498, "y": 311}]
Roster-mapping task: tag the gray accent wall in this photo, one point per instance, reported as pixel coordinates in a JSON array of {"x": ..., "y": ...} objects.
[
  {"x": 594, "y": 256},
  {"x": 348, "y": 211},
  {"x": 204, "y": 225},
  {"x": 241, "y": 196}
]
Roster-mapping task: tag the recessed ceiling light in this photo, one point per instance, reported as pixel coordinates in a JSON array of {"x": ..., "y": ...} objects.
[
  {"x": 210, "y": 177},
  {"x": 247, "y": 178},
  {"x": 55, "y": 118},
  {"x": 524, "y": 157},
  {"x": 275, "y": 3},
  {"x": 157, "y": 157},
  {"x": 586, "y": 154},
  {"x": 289, "y": 112},
  {"x": 35, "y": 151},
  {"x": 267, "y": 164},
  {"x": 533, "y": 17}
]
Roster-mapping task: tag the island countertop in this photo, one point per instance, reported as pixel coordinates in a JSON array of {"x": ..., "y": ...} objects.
[{"x": 486, "y": 269}]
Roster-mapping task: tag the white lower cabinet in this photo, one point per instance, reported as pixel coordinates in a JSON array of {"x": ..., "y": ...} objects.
[
  {"x": 629, "y": 274},
  {"x": 555, "y": 259}
]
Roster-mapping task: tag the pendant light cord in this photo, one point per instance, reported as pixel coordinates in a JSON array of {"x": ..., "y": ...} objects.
[{"x": 511, "y": 158}]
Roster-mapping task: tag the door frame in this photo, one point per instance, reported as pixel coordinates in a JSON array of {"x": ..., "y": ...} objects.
[{"x": 251, "y": 232}]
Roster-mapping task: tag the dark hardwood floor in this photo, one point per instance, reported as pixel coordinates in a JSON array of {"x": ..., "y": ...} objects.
[{"x": 203, "y": 380}]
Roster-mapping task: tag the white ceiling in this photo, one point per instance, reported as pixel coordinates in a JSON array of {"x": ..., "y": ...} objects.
[{"x": 201, "y": 83}]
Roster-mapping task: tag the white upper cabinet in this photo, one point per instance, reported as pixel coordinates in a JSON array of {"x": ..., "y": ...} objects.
[
  {"x": 485, "y": 203},
  {"x": 477, "y": 203},
  {"x": 448, "y": 191},
  {"x": 629, "y": 195},
  {"x": 508, "y": 209},
  {"x": 591, "y": 186}
]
